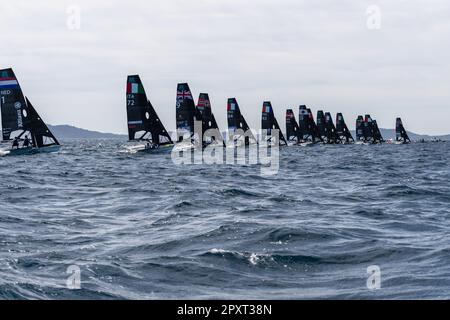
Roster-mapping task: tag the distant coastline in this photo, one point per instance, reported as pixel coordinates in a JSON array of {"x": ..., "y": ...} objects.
[{"x": 72, "y": 132}]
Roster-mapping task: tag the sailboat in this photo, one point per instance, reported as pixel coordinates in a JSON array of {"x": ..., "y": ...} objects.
[
  {"x": 368, "y": 129},
  {"x": 269, "y": 123},
  {"x": 321, "y": 125},
  {"x": 343, "y": 133},
  {"x": 20, "y": 121},
  {"x": 144, "y": 125},
  {"x": 312, "y": 127},
  {"x": 209, "y": 123},
  {"x": 401, "y": 136},
  {"x": 378, "y": 138},
  {"x": 330, "y": 130},
  {"x": 360, "y": 137},
  {"x": 187, "y": 115},
  {"x": 237, "y": 125},
  {"x": 370, "y": 132},
  {"x": 292, "y": 128},
  {"x": 309, "y": 131}
]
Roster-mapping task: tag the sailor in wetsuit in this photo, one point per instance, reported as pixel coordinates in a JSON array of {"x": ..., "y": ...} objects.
[
  {"x": 15, "y": 143},
  {"x": 26, "y": 142}
]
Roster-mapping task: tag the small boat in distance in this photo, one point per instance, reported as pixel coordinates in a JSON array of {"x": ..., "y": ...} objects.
[
  {"x": 186, "y": 116},
  {"x": 367, "y": 131},
  {"x": 321, "y": 126},
  {"x": 269, "y": 123},
  {"x": 360, "y": 137},
  {"x": 144, "y": 125},
  {"x": 312, "y": 127},
  {"x": 209, "y": 123},
  {"x": 292, "y": 128},
  {"x": 309, "y": 131},
  {"x": 401, "y": 136},
  {"x": 378, "y": 138},
  {"x": 331, "y": 135},
  {"x": 237, "y": 125},
  {"x": 343, "y": 133},
  {"x": 20, "y": 121}
]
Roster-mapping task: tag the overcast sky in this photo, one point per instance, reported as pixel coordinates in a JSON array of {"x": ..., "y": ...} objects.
[{"x": 328, "y": 54}]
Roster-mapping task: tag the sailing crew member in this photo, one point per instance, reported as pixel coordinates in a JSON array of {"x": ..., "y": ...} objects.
[
  {"x": 16, "y": 143},
  {"x": 26, "y": 142}
]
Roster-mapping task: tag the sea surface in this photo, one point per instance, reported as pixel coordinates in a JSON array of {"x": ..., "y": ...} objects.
[{"x": 140, "y": 227}]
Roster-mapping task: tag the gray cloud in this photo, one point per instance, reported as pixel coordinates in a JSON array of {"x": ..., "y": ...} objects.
[{"x": 291, "y": 52}]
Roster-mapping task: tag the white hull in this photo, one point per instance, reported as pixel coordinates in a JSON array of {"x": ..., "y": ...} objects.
[
  {"x": 183, "y": 147},
  {"x": 307, "y": 144},
  {"x": 144, "y": 148}
]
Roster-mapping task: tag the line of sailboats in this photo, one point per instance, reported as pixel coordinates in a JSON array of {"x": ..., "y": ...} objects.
[
  {"x": 196, "y": 125},
  {"x": 305, "y": 132}
]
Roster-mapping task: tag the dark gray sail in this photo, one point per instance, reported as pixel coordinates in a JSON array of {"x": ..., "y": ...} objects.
[
  {"x": 303, "y": 123},
  {"x": 19, "y": 118},
  {"x": 269, "y": 122},
  {"x": 186, "y": 112},
  {"x": 309, "y": 132},
  {"x": 360, "y": 129},
  {"x": 400, "y": 133},
  {"x": 292, "y": 128},
  {"x": 342, "y": 130},
  {"x": 236, "y": 121},
  {"x": 378, "y": 138},
  {"x": 330, "y": 129},
  {"x": 371, "y": 132},
  {"x": 368, "y": 129},
  {"x": 312, "y": 127},
  {"x": 12, "y": 103},
  {"x": 143, "y": 121},
  {"x": 208, "y": 120},
  {"x": 321, "y": 125},
  {"x": 40, "y": 134}
]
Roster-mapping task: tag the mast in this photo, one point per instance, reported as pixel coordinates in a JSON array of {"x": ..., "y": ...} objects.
[
  {"x": 400, "y": 132},
  {"x": 143, "y": 121},
  {"x": 269, "y": 122},
  {"x": 292, "y": 128}
]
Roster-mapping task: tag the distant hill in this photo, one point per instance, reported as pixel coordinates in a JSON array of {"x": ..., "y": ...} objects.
[{"x": 71, "y": 132}]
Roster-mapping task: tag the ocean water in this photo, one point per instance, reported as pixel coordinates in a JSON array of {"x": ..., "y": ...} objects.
[{"x": 140, "y": 227}]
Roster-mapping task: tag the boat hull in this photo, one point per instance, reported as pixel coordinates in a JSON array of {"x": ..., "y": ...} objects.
[
  {"x": 307, "y": 144},
  {"x": 141, "y": 149},
  {"x": 31, "y": 151},
  {"x": 400, "y": 142}
]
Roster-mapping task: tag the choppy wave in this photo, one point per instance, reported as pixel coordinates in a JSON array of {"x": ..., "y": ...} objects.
[{"x": 140, "y": 227}]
